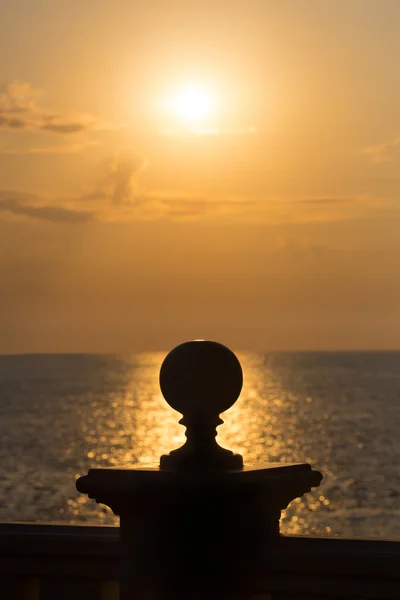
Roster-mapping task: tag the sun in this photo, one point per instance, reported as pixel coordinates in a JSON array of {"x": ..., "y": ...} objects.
[{"x": 192, "y": 104}]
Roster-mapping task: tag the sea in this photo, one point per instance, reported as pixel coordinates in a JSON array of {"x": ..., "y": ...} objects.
[{"x": 62, "y": 414}]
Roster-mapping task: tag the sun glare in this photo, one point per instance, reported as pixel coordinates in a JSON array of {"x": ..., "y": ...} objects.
[{"x": 192, "y": 104}]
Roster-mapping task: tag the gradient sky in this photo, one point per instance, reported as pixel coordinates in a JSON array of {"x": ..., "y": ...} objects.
[{"x": 274, "y": 225}]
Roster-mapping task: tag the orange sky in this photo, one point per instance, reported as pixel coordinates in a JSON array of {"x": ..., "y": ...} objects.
[{"x": 269, "y": 222}]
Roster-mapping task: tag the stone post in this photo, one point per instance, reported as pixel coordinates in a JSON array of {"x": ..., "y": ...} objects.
[{"x": 197, "y": 525}]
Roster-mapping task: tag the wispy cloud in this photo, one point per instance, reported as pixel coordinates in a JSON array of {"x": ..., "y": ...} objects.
[
  {"x": 25, "y": 205},
  {"x": 62, "y": 148},
  {"x": 382, "y": 153},
  {"x": 120, "y": 181},
  {"x": 119, "y": 197},
  {"x": 327, "y": 200},
  {"x": 21, "y": 108}
]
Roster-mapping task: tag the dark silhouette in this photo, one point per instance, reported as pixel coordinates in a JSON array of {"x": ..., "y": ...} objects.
[{"x": 200, "y": 525}]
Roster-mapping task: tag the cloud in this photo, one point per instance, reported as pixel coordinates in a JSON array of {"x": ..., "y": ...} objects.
[
  {"x": 121, "y": 178},
  {"x": 119, "y": 197},
  {"x": 64, "y": 128},
  {"x": 8, "y": 122},
  {"x": 21, "y": 108},
  {"x": 115, "y": 198},
  {"x": 19, "y": 98},
  {"x": 327, "y": 200},
  {"x": 30, "y": 206},
  {"x": 385, "y": 152},
  {"x": 63, "y": 148}
]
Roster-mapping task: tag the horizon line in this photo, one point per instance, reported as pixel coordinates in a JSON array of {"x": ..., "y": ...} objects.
[{"x": 238, "y": 350}]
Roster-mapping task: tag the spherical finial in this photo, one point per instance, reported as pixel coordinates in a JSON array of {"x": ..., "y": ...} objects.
[{"x": 201, "y": 379}]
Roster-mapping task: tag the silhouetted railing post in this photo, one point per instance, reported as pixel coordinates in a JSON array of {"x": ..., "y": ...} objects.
[{"x": 197, "y": 525}]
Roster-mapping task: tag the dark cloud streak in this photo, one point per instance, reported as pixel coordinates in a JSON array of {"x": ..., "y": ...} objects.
[
  {"x": 58, "y": 214},
  {"x": 64, "y": 128},
  {"x": 11, "y": 123},
  {"x": 326, "y": 200},
  {"x": 22, "y": 100}
]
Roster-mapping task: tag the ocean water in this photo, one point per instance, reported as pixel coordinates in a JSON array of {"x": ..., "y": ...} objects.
[{"x": 63, "y": 414}]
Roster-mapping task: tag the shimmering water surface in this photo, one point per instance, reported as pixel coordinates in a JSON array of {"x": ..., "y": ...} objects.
[{"x": 62, "y": 414}]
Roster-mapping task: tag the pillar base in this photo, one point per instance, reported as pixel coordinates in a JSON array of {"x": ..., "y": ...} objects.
[{"x": 190, "y": 534}]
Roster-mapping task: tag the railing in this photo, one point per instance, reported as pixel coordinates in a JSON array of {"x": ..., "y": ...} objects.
[
  {"x": 52, "y": 562},
  {"x": 56, "y": 562}
]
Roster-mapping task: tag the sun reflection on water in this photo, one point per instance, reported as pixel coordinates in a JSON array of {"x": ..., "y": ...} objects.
[{"x": 262, "y": 426}]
